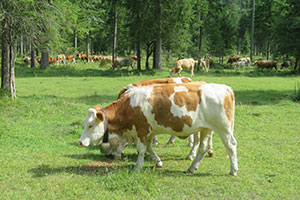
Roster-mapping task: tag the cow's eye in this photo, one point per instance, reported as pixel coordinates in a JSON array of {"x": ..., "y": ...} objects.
[{"x": 90, "y": 126}]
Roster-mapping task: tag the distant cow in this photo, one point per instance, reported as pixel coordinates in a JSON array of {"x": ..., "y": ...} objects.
[
  {"x": 124, "y": 62},
  {"x": 233, "y": 59},
  {"x": 175, "y": 109},
  {"x": 61, "y": 58},
  {"x": 27, "y": 60},
  {"x": 70, "y": 58},
  {"x": 52, "y": 60},
  {"x": 286, "y": 64},
  {"x": 268, "y": 64},
  {"x": 206, "y": 65},
  {"x": 187, "y": 63},
  {"x": 240, "y": 63},
  {"x": 105, "y": 60}
]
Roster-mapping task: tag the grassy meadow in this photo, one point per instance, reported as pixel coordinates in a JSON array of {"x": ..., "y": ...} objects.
[{"x": 40, "y": 158}]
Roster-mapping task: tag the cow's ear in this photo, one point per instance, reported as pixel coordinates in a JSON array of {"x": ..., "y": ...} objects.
[{"x": 100, "y": 116}]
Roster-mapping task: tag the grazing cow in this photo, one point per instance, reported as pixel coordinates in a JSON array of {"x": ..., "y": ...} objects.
[
  {"x": 188, "y": 63},
  {"x": 172, "y": 138},
  {"x": 82, "y": 57},
  {"x": 52, "y": 60},
  {"x": 233, "y": 59},
  {"x": 175, "y": 109},
  {"x": 61, "y": 58},
  {"x": 27, "y": 60},
  {"x": 106, "y": 60},
  {"x": 268, "y": 64},
  {"x": 70, "y": 58},
  {"x": 97, "y": 58},
  {"x": 240, "y": 63},
  {"x": 206, "y": 61},
  {"x": 286, "y": 64},
  {"x": 124, "y": 62}
]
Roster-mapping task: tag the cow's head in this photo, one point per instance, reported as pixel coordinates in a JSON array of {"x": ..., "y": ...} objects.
[{"x": 93, "y": 131}]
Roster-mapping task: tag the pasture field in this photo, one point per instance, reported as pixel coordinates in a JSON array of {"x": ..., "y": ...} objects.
[{"x": 40, "y": 158}]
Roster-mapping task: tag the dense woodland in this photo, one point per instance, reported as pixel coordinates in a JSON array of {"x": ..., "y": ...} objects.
[{"x": 269, "y": 29}]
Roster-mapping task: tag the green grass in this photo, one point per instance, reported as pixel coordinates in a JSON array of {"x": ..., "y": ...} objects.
[{"x": 40, "y": 158}]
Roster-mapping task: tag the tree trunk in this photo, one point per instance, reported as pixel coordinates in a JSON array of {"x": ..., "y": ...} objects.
[
  {"x": 92, "y": 46},
  {"x": 21, "y": 46},
  {"x": 149, "y": 51},
  {"x": 158, "y": 47},
  {"x": 37, "y": 52},
  {"x": 114, "y": 53},
  {"x": 9, "y": 51},
  {"x": 87, "y": 47},
  {"x": 200, "y": 18},
  {"x": 154, "y": 56},
  {"x": 32, "y": 64},
  {"x": 268, "y": 50},
  {"x": 44, "y": 60},
  {"x": 252, "y": 31},
  {"x": 75, "y": 39}
]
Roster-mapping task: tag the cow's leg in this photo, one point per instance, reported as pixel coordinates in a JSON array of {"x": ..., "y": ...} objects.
[
  {"x": 179, "y": 72},
  {"x": 230, "y": 143},
  {"x": 155, "y": 157},
  {"x": 171, "y": 140},
  {"x": 141, "y": 148},
  {"x": 191, "y": 140},
  {"x": 196, "y": 143},
  {"x": 155, "y": 141},
  {"x": 210, "y": 148},
  {"x": 192, "y": 71},
  {"x": 204, "y": 137}
]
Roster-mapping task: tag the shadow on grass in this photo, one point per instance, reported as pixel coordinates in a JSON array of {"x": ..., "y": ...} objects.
[
  {"x": 261, "y": 97},
  {"x": 90, "y": 169}
]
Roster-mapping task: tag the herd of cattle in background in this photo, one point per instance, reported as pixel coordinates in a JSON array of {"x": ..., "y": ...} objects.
[{"x": 180, "y": 64}]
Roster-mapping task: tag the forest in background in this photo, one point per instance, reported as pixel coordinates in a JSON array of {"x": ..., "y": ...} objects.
[{"x": 177, "y": 28}]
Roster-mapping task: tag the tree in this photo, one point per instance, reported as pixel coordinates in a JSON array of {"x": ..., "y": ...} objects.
[
  {"x": 158, "y": 42},
  {"x": 252, "y": 30}
]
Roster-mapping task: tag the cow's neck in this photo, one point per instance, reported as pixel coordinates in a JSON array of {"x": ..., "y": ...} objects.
[{"x": 119, "y": 116}]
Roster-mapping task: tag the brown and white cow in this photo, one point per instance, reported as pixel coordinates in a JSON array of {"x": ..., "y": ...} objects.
[
  {"x": 61, "y": 58},
  {"x": 191, "y": 143},
  {"x": 70, "y": 58},
  {"x": 124, "y": 62},
  {"x": 233, "y": 59},
  {"x": 187, "y": 63},
  {"x": 175, "y": 109},
  {"x": 105, "y": 60},
  {"x": 268, "y": 64},
  {"x": 286, "y": 64}
]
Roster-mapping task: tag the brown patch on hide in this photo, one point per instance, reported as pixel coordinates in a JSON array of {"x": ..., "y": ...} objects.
[
  {"x": 161, "y": 103},
  {"x": 122, "y": 117},
  {"x": 228, "y": 106},
  {"x": 191, "y": 99}
]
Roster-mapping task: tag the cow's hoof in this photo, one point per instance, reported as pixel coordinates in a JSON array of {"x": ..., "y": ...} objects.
[
  {"x": 189, "y": 171},
  {"x": 189, "y": 158},
  {"x": 190, "y": 144},
  {"x": 155, "y": 143},
  {"x": 159, "y": 164},
  {"x": 233, "y": 173},
  {"x": 170, "y": 142},
  {"x": 211, "y": 154}
]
